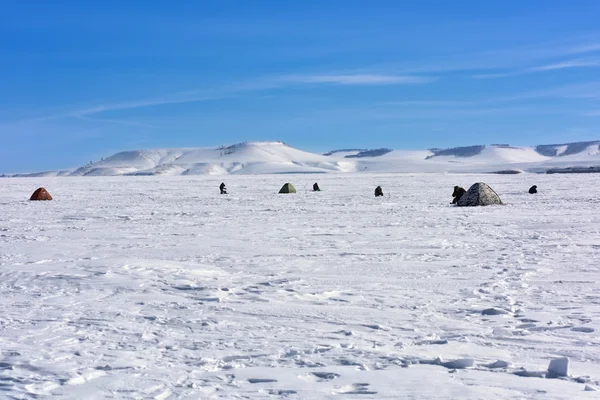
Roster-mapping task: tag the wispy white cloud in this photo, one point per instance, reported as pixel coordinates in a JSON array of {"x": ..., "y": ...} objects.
[
  {"x": 460, "y": 113},
  {"x": 586, "y": 48},
  {"x": 553, "y": 66},
  {"x": 566, "y": 64},
  {"x": 496, "y": 75},
  {"x": 232, "y": 91},
  {"x": 84, "y": 113},
  {"x": 497, "y": 63},
  {"x": 585, "y": 91},
  {"x": 428, "y": 103},
  {"x": 359, "y": 79},
  {"x": 483, "y": 65},
  {"x": 427, "y": 108},
  {"x": 581, "y": 91},
  {"x": 140, "y": 104},
  {"x": 116, "y": 121},
  {"x": 504, "y": 62}
]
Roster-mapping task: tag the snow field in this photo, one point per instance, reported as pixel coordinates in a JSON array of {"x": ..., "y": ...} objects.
[{"x": 158, "y": 287}]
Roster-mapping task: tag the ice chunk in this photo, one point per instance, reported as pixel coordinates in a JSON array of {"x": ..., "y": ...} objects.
[
  {"x": 530, "y": 374},
  {"x": 558, "y": 367},
  {"x": 460, "y": 364},
  {"x": 499, "y": 364}
]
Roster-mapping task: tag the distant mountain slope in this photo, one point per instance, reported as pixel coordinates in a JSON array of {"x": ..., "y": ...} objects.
[
  {"x": 279, "y": 158},
  {"x": 490, "y": 154},
  {"x": 249, "y": 158},
  {"x": 567, "y": 149},
  {"x": 358, "y": 153},
  {"x": 66, "y": 172},
  {"x": 370, "y": 153},
  {"x": 468, "y": 151},
  {"x": 343, "y": 152}
]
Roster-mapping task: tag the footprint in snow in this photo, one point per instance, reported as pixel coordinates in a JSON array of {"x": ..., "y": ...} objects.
[
  {"x": 582, "y": 329},
  {"x": 283, "y": 393},
  {"x": 494, "y": 311},
  {"x": 261, "y": 380},
  {"x": 325, "y": 376},
  {"x": 375, "y": 327},
  {"x": 356, "y": 388}
]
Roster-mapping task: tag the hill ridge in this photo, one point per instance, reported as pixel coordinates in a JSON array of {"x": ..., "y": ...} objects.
[{"x": 273, "y": 157}]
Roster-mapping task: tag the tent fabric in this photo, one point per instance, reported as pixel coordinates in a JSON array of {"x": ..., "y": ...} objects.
[
  {"x": 40, "y": 194},
  {"x": 288, "y": 188},
  {"x": 480, "y": 194}
]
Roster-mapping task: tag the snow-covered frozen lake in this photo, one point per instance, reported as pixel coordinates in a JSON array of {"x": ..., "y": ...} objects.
[{"x": 150, "y": 287}]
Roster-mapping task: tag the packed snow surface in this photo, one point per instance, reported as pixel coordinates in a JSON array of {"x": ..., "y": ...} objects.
[{"x": 159, "y": 287}]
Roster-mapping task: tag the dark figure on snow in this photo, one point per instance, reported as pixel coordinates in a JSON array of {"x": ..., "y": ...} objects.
[
  {"x": 378, "y": 191},
  {"x": 316, "y": 187},
  {"x": 533, "y": 189},
  {"x": 223, "y": 188},
  {"x": 457, "y": 194}
]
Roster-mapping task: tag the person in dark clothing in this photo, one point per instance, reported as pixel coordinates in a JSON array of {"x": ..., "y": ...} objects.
[
  {"x": 378, "y": 191},
  {"x": 533, "y": 189},
  {"x": 457, "y": 194},
  {"x": 316, "y": 187},
  {"x": 223, "y": 188}
]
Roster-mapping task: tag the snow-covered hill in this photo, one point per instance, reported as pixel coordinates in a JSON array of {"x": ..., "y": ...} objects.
[
  {"x": 248, "y": 158},
  {"x": 279, "y": 158}
]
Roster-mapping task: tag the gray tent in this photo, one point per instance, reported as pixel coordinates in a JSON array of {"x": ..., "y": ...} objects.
[{"x": 480, "y": 194}]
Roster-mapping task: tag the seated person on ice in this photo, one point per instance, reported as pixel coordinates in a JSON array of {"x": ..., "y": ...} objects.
[
  {"x": 457, "y": 194},
  {"x": 533, "y": 189}
]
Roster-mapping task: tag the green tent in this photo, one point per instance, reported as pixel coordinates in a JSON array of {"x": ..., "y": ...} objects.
[{"x": 288, "y": 188}]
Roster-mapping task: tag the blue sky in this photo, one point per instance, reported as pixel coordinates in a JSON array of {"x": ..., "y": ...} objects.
[{"x": 81, "y": 81}]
